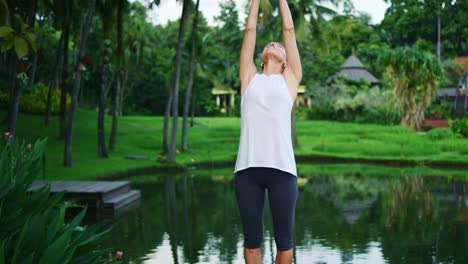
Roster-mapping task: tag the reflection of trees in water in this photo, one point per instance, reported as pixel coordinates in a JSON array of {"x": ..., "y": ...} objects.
[
  {"x": 338, "y": 212},
  {"x": 342, "y": 212},
  {"x": 410, "y": 222},
  {"x": 341, "y": 189},
  {"x": 409, "y": 204},
  {"x": 227, "y": 206},
  {"x": 419, "y": 228},
  {"x": 170, "y": 203},
  {"x": 200, "y": 214},
  {"x": 401, "y": 213},
  {"x": 186, "y": 199}
]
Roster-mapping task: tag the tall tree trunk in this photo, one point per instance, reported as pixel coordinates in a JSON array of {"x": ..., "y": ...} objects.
[
  {"x": 132, "y": 61},
  {"x": 76, "y": 87},
  {"x": 102, "y": 149},
  {"x": 293, "y": 127},
  {"x": 32, "y": 21},
  {"x": 64, "y": 79},
  {"x": 13, "y": 103},
  {"x": 32, "y": 80},
  {"x": 438, "y": 32},
  {"x": 188, "y": 94},
  {"x": 53, "y": 83},
  {"x": 192, "y": 121},
  {"x": 15, "y": 94},
  {"x": 120, "y": 54},
  {"x": 106, "y": 65},
  {"x": 115, "y": 112},
  {"x": 175, "y": 93},
  {"x": 32, "y": 13},
  {"x": 124, "y": 84},
  {"x": 167, "y": 114},
  {"x": 50, "y": 95},
  {"x": 140, "y": 56}
]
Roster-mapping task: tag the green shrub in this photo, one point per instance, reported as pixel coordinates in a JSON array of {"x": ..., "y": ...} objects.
[
  {"x": 33, "y": 227},
  {"x": 379, "y": 115},
  {"x": 301, "y": 112},
  {"x": 459, "y": 126},
  {"x": 444, "y": 110},
  {"x": 440, "y": 133},
  {"x": 322, "y": 113},
  {"x": 453, "y": 73},
  {"x": 353, "y": 102},
  {"x": 34, "y": 100}
]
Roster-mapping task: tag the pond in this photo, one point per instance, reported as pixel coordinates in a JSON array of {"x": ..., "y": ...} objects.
[{"x": 341, "y": 217}]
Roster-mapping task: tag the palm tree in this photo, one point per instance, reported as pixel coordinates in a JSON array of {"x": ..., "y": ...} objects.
[
  {"x": 76, "y": 86},
  {"x": 119, "y": 74},
  {"x": 414, "y": 75},
  {"x": 55, "y": 81},
  {"x": 174, "y": 95},
  {"x": 16, "y": 39},
  {"x": 31, "y": 22},
  {"x": 106, "y": 9},
  {"x": 67, "y": 25},
  {"x": 188, "y": 94}
]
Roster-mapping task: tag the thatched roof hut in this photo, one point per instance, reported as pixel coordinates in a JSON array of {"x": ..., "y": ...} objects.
[{"x": 354, "y": 70}]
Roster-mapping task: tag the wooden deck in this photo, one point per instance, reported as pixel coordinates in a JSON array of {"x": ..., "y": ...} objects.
[{"x": 107, "y": 196}]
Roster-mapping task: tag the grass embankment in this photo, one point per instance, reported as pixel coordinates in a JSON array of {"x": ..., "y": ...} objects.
[{"x": 215, "y": 140}]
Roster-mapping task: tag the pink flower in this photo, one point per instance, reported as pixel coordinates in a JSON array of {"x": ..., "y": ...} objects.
[{"x": 118, "y": 254}]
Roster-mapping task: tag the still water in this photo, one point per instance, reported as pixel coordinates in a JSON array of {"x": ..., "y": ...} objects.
[{"x": 340, "y": 218}]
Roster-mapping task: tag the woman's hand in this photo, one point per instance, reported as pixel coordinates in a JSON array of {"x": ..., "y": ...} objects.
[
  {"x": 246, "y": 65},
  {"x": 293, "y": 70}
]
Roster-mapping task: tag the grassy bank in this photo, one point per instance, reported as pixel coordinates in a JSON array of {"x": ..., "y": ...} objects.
[{"x": 216, "y": 140}]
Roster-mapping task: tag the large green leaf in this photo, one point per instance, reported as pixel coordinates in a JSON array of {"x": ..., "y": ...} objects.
[
  {"x": 56, "y": 250},
  {"x": 4, "y": 31},
  {"x": 21, "y": 47},
  {"x": 19, "y": 242},
  {"x": 7, "y": 43},
  {"x": 77, "y": 220},
  {"x": 31, "y": 37}
]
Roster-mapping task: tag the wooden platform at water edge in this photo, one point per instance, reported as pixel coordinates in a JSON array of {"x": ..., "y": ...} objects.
[{"x": 107, "y": 196}]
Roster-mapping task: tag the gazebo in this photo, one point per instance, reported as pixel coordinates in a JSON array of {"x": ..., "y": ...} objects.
[
  {"x": 354, "y": 70},
  {"x": 224, "y": 98}
]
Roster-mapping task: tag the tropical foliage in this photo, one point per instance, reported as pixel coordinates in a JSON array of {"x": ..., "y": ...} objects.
[
  {"x": 414, "y": 75},
  {"x": 35, "y": 228},
  {"x": 353, "y": 102}
]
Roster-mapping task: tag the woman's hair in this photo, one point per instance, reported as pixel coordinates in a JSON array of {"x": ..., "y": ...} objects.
[{"x": 276, "y": 43}]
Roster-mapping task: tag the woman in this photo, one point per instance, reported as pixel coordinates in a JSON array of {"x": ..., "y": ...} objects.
[{"x": 265, "y": 159}]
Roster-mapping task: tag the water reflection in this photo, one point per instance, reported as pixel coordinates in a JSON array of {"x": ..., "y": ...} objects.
[{"x": 348, "y": 218}]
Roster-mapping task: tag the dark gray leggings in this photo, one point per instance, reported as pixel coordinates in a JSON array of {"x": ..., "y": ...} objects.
[{"x": 250, "y": 185}]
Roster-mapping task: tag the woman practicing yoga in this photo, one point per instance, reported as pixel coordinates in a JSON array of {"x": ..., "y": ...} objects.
[{"x": 265, "y": 158}]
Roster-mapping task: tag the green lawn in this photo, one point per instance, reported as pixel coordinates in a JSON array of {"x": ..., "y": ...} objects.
[{"x": 216, "y": 139}]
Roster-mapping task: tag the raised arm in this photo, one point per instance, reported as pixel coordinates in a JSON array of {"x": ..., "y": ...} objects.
[
  {"x": 247, "y": 66},
  {"x": 293, "y": 70}
]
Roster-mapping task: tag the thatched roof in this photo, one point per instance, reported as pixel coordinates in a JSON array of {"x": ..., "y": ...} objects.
[{"x": 354, "y": 70}]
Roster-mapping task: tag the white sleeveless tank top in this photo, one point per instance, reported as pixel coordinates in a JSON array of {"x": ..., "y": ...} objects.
[{"x": 265, "y": 132}]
